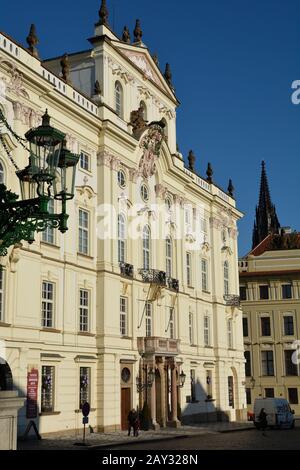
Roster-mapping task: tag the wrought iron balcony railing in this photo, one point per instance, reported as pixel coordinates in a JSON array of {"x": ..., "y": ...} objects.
[
  {"x": 126, "y": 269},
  {"x": 154, "y": 276},
  {"x": 232, "y": 300},
  {"x": 173, "y": 284}
]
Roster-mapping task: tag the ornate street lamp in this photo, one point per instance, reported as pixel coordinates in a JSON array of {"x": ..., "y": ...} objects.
[
  {"x": 149, "y": 380},
  {"x": 182, "y": 377},
  {"x": 50, "y": 174}
]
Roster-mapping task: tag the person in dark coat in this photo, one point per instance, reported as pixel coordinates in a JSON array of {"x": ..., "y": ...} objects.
[
  {"x": 263, "y": 423},
  {"x": 132, "y": 419}
]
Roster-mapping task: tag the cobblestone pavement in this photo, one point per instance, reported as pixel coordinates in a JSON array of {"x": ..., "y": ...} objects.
[
  {"x": 288, "y": 439},
  {"x": 107, "y": 440}
]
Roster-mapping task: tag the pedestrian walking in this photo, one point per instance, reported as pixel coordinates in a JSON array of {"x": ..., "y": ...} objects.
[
  {"x": 132, "y": 418},
  {"x": 263, "y": 423}
]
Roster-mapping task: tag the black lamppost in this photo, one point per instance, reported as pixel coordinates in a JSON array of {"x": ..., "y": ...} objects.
[{"x": 50, "y": 174}]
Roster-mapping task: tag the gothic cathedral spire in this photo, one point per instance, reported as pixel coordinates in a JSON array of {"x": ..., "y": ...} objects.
[{"x": 266, "y": 220}]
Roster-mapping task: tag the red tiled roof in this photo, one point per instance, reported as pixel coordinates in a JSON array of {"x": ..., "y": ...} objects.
[{"x": 265, "y": 245}]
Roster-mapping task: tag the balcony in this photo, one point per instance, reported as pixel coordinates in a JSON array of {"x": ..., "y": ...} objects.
[
  {"x": 154, "y": 276},
  {"x": 149, "y": 345},
  {"x": 126, "y": 269},
  {"x": 232, "y": 300},
  {"x": 173, "y": 284}
]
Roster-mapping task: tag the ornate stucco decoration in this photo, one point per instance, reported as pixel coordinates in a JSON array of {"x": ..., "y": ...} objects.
[
  {"x": 160, "y": 191},
  {"x": 120, "y": 71},
  {"x": 26, "y": 115},
  {"x": 108, "y": 159},
  {"x": 150, "y": 144},
  {"x": 227, "y": 250},
  {"x": 14, "y": 83},
  {"x": 205, "y": 247},
  {"x": 224, "y": 220},
  {"x": 143, "y": 64}
]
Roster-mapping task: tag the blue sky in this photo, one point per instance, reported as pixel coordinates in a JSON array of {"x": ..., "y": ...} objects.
[{"x": 233, "y": 62}]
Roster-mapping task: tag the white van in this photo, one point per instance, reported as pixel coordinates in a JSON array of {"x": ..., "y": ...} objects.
[{"x": 279, "y": 413}]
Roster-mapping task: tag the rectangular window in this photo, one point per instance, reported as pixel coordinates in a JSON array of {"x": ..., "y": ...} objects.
[
  {"x": 193, "y": 385},
  {"x": 85, "y": 386},
  {"x": 267, "y": 363},
  {"x": 248, "y": 396},
  {"x": 229, "y": 333},
  {"x": 265, "y": 326},
  {"x": 47, "y": 398},
  {"x": 206, "y": 331},
  {"x": 269, "y": 392},
  {"x": 247, "y": 355},
  {"x": 288, "y": 325},
  {"x": 172, "y": 323},
  {"x": 123, "y": 316},
  {"x": 191, "y": 328},
  {"x": 83, "y": 310},
  {"x": 84, "y": 161},
  {"x": 290, "y": 367},
  {"x": 1, "y": 294},
  {"x": 148, "y": 319},
  {"x": 83, "y": 232},
  {"x": 263, "y": 292},
  {"x": 245, "y": 327},
  {"x": 48, "y": 234},
  {"x": 243, "y": 293},
  {"x": 286, "y": 291},
  {"x": 47, "y": 304},
  {"x": 189, "y": 269},
  {"x": 204, "y": 275},
  {"x": 293, "y": 396}
]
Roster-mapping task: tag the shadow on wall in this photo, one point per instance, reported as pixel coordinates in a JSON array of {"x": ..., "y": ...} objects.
[
  {"x": 201, "y": 407},
  {"x": 28, "y": 415}
]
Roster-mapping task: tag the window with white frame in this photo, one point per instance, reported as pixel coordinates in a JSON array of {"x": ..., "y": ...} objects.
[
  {"x": 47, "y": 304},
  {"x": 172, "y": 323},
  {"x": 47, "y": 389},
  {"x": 226, "y": 277},
  {"x": 2, "y": 173},
  {"x": 229, "y": 333},
  {"x": 169, "y": 257},
  {"x": 191, "y": 328},
  {"x": 189, "y": 269},
  {"x": 2, "y": 281},
  {"x": 121, "y": 238},
  {"x": 85, "y": 161},
  {"x": 204, "y": 271},
  {"x": 48, "y": 234},
  {"x": 85, "y": 386},
  {"x": 119, "y": 99},
  {"x": 83, "y": 245},
  {"x": 206, "y": 330},
  {"x": 123, "y": 316},
  {"x": 121, "y": 179},
  {"x": 84, "y": 310},
  {"x": 146, "y": 247},
  {"x": 148, "y": 319}
]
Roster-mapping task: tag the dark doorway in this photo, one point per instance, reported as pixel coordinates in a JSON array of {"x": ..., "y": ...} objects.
[
  {"x": 6, "y": 380},
  {"x": 125, "y": 406}
]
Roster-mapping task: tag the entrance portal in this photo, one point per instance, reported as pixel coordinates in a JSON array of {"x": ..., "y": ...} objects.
[
  {"x": 125, "y": 407},
  {"x": 6, "y": 379}
]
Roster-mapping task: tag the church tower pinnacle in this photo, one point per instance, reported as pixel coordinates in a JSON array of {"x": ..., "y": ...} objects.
[{"x": 266, "y": 220}]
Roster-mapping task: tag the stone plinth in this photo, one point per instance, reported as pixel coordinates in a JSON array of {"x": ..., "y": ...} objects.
[{"x": 10, "y": 403}]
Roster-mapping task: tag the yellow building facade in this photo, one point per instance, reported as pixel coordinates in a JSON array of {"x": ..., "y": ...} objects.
[{"x": 137, "y": 302}]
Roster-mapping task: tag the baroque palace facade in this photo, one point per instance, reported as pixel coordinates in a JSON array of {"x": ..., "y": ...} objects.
[
  {"x": 270, "y": 298},
  {"x": 137, "y": 301}
]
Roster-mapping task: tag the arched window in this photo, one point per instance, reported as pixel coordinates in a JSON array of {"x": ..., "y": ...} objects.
[
  {"x": 144, "y": 108},
  {"x": 119, "y": 99},
  {"x": 121, "y": 238},
  {"x": 169, "y": 257},
  {"x": 226, "y": 278},
  {"x": 146, "y": 247},
  {"x": 2, "y": 175}
]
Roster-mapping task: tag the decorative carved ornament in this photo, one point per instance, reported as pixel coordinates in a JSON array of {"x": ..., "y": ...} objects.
[
  {"x": 108, "y": 159},
  {"x": 26, "y": 115},
  {"x": 151, "y": 144},
  {"x": 224, "y": 220},
  {"x": 140, "y": 60},
  {"x": 13, "y": 83}
]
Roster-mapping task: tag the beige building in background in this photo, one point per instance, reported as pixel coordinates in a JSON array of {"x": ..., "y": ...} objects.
[
  {"x": 145, "y": 281},
  {"x": 270, "y": 299}
]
